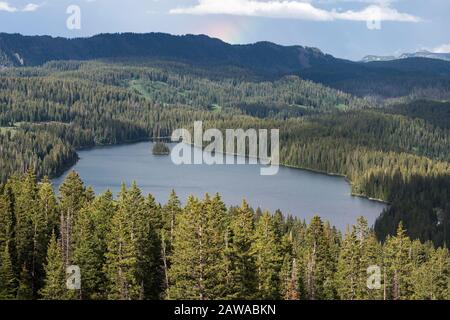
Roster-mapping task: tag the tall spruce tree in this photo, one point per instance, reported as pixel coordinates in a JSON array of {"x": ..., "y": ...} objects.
[
  {"x": 7, "y": 221},
  {"x": 358, "y": 253},
  {"x": 242, "y": 282},
  {"x": 170, "y": 213},
  {"x": 318, "y": 262},
  {"x": 91, "y": 228},
  {"x": 155, "y": 272},
  {"x": 72, "y": 198},
  {"x": 398, "y": 266},
  {"x": 55, "y": 273},
  {"x": 268, "y": 260},
  {"x": 198, "y": 265},
  {"x": 122, "y": 257},
  {"x": 431, "y": 279},
  {"x": 27, "y": 229},
  {"x": 8, "y": 283}
]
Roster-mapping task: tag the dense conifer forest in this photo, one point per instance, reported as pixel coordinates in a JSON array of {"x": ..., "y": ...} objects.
[
  {"x": 130, "y": 247},
  {"x": 396, "y": 150}
]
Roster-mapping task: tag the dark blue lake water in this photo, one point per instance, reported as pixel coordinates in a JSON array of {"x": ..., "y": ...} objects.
[{"x": 297, "y": 192}]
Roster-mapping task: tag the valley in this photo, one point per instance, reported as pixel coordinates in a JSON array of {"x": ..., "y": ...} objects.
[{"x": 382, "y": 126}]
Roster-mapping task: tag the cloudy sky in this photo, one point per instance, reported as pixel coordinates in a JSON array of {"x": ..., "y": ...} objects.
[{"x": 345, "y": 28}]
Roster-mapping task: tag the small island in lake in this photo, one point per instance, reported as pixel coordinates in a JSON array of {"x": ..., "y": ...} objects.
[{"x": 160, "y": 149}]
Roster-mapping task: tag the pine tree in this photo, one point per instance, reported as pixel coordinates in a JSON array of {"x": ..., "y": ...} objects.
[
  {"x": 7, "y": 277},
  {"x": 72, "y": 199},
  {"x": 268, "y": 261},
  {"x": 360, "y": 250},
  {"x": 91, "y": 228},
  {"x": 318, "y": 262},
  {"x": 26, "y": 222},
  {"x": 431, "y": 279},
  {"x": 347, "y": 276},
  {"x": 242, "y": 281},
  {"x": 170, "y": 212},
  {"x": 198, "y": 265},
  {"x": 372, "y": 256},
  {"x": 7, "y": 219},
  {"x": 44, "y": 221},
  {"x": 122, "y": 259},
  {"x": 154, "y": 278},
  {"x": 48, "y": 206},
  {"x": 397, "y": 261},
  {"x": 55, "y": 274}
]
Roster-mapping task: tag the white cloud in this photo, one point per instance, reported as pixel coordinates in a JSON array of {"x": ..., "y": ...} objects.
[
  {"x": 5, "y": 6},
  {"x": 445, "y": 48},
  {"x": 293, "y": 9},
  {"x": 374, "y": 12},
  {"x": 31, "y": 7}
]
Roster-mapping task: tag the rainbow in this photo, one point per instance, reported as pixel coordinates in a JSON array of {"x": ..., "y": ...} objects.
[{"x": 229, "y": 31}]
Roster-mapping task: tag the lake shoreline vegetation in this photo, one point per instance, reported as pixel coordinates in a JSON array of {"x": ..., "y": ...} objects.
[
  {"x": 396, "y": 150},
  {"x": 131, "y": 247},
  {"x": 379, "y": 150}
]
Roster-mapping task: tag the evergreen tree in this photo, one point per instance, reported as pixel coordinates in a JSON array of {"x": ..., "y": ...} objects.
[
  {"x": 318, "y": 262},
  {"x": 155, "y": 272},
  {"x": 7, "y": 277},
  {"x": 242, "y": 282},
  {"x": 91, "y": 231},
  {"x": 170, "y": 212},
  {"x": 55, "y": 273},
  {"x": 397, "y": 261},
  {"x": 268, "y": 261},
  {"x": 72, "y": 198},
  {"x": 91, "y": 228},
  {"x": 7, "y": 219},
  {"x": 44, "y": 221},
  {"x": 48, "y": 207},
  {"x": 431, "y": 279},
  {"x": 198, "y": 265},
  {"x": 360, "y": 250},
  {"x": 26, "y": 229},
  {"x": 122, "y": 260}
]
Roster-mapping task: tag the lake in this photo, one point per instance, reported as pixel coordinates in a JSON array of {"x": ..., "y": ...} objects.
[{"x": 301, "y": 193}]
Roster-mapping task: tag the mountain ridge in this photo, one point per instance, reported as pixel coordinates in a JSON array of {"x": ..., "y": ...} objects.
[
  {"x": 19, "y": 50},
  {"x": 265, "y": 60}
]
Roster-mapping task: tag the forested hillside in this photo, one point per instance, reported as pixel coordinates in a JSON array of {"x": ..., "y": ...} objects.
[
  {"x": 396, "y": 152},
  {"x": 134, "y": 248},
  {"x": 268, "y": 61},
  {"x": 264, "y": 57}
]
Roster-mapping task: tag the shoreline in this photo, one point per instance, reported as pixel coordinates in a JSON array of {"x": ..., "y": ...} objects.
[{"x": 330, "y": 174}]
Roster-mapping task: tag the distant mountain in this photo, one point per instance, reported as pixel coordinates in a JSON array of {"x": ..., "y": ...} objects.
[
  {"x": 377, "y": 76},
  {"x": 18, "y": 50},
  {"x": 419, "y": 54}
]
